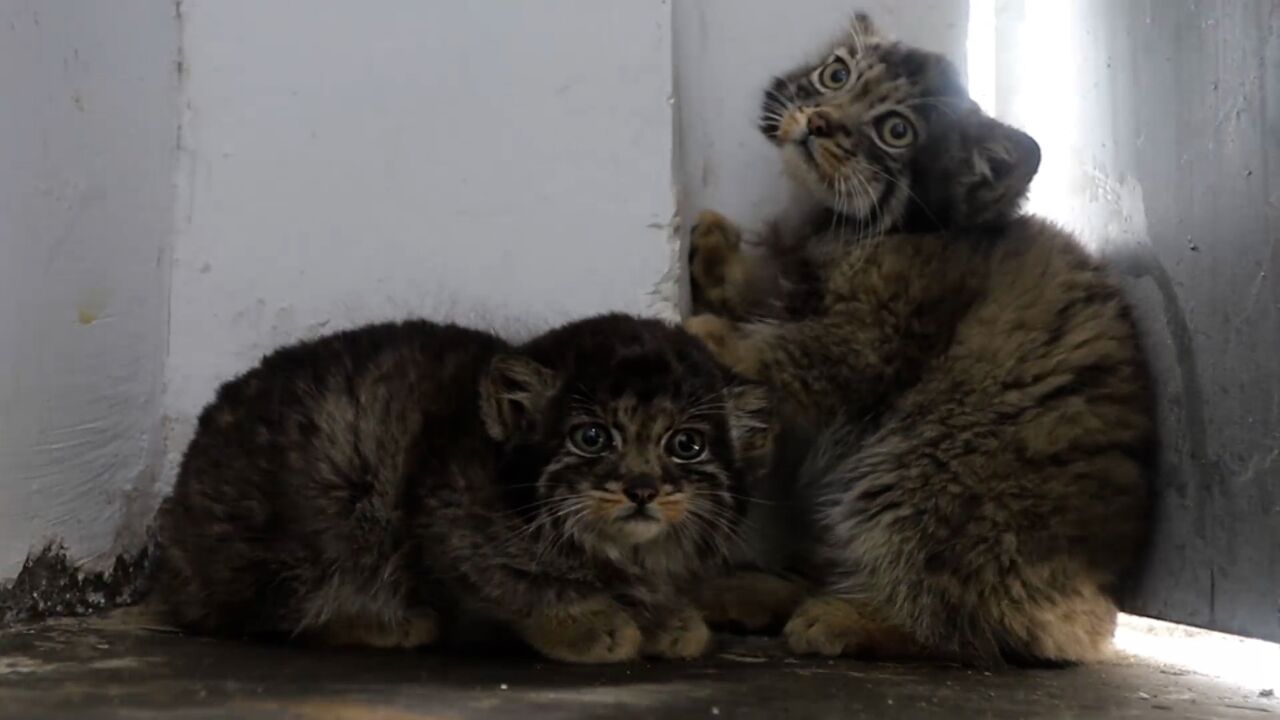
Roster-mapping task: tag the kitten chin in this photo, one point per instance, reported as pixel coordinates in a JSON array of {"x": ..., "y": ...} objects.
[{"x": 631, "y": 532}]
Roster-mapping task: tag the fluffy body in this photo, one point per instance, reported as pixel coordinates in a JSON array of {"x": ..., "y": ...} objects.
[
  {"x": 979, "y": 413},
  {"x": 376, "y": 487}
]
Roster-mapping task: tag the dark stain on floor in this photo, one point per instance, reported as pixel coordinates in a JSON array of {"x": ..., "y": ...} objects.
[
  {"x": 51, "y": 585},
  {"x": 121, "y": 666}
]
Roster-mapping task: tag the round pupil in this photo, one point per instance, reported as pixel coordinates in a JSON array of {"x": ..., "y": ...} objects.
[
  {"x": 839, "y": 75},
  {"x": 592, "y": 437},
  {"x": 687, "y": 444},
  {"x": 898, "y": 130}
]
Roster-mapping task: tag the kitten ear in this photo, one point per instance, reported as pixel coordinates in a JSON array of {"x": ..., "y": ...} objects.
[
  {"x": 512, "y": 393},
  {"x": 1005, "y": 160},
  {"x": 864, "y": 29},
  {"x": 750, "y": 413}
]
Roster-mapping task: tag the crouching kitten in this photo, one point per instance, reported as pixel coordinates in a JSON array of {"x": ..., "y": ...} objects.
[{"x": 372, "y": 487}]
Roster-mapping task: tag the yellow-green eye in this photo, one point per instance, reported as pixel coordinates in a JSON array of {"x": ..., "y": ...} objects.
[
  {"x": 834, "y": 75},
  {"x": 896, "y": 130},
  {"x": 590, "y": 439},
  {"x": 687, "y": 445}
]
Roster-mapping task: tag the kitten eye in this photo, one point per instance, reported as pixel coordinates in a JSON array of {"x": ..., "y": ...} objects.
[
  {"x": 834, "y": 75},
  {"x": 590, "y": 439},
  {"x": 686, "y": 445},
  {"x": 895, "y": 130}
]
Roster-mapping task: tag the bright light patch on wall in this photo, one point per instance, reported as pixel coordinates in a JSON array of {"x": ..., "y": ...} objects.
[
  {"x": 1251, "y": 664},
  {"x": 981, "y": 53},
  {"x": 1024, "y": 69}
]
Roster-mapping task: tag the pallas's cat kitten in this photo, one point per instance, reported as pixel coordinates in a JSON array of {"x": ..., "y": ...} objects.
[
  {"x": 978, "y": 398},
  {"x": 374, "y": 486}
]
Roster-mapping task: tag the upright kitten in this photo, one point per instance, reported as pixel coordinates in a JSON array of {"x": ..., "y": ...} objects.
[
  {"x": 373, "y": 486},
  {"x": 981, "y": 404}
]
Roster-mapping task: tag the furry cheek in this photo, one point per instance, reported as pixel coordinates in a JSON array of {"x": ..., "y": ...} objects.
[
  {"x": 673, "y": 507},
  {"x": 800, "y": 169}
]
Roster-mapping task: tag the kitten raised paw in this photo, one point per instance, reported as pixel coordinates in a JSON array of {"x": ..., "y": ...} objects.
[
  {"x": 683, "y": 637},
  {"x": 716, "y": 265}
]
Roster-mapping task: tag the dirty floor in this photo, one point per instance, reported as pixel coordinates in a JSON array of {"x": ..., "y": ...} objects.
[{"x": 117, "y": 667}]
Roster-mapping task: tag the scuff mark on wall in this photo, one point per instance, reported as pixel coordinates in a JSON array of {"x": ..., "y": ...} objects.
[
  {"x": 667, "y": 296},
  {"x": 92, "y": 305}
]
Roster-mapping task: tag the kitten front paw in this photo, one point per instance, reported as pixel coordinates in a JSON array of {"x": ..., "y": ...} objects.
[
  {"x": 825, "y": 626},
  {"x": 596, "y": 632},
  {"x": 751, "y": 601},
  {"x": 420, "y": 628},
  {"x": 834, "y": 626},
  {"x": 683, "y": 636}
]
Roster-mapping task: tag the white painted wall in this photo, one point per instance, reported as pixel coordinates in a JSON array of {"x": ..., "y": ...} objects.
[
  {"x": 459, "y": 160},
  {"x": 87, "y": 146}
]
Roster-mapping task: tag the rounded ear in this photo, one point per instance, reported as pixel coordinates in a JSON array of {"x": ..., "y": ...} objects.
[
  {"x": 864, "y": 28},
  {"x": 1005, "y": 160},
  {"x": 512, "y": 393},
  {"x": 750, "y": 414}
]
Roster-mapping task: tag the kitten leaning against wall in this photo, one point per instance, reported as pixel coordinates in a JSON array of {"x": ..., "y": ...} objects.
[
  {"x": 982, "y": 422},
  {"x": 374, "y": 486}
]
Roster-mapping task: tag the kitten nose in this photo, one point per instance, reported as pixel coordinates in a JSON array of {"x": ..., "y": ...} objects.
[
  {"x": 640, "y": 494},
  {"x": 819, "y": 125}
]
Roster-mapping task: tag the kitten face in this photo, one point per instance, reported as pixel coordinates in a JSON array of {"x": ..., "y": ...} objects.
[
  {"x": 632, "y": 469},
  {"x": 886, "y": 135},
  {"x": 632, "y": 437}
]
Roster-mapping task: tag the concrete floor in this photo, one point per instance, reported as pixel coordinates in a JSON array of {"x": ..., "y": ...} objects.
[{"x": 117, "y": 667}]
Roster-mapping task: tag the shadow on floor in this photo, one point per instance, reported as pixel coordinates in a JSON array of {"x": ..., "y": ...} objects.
[{"x": 118, "y": 667}]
